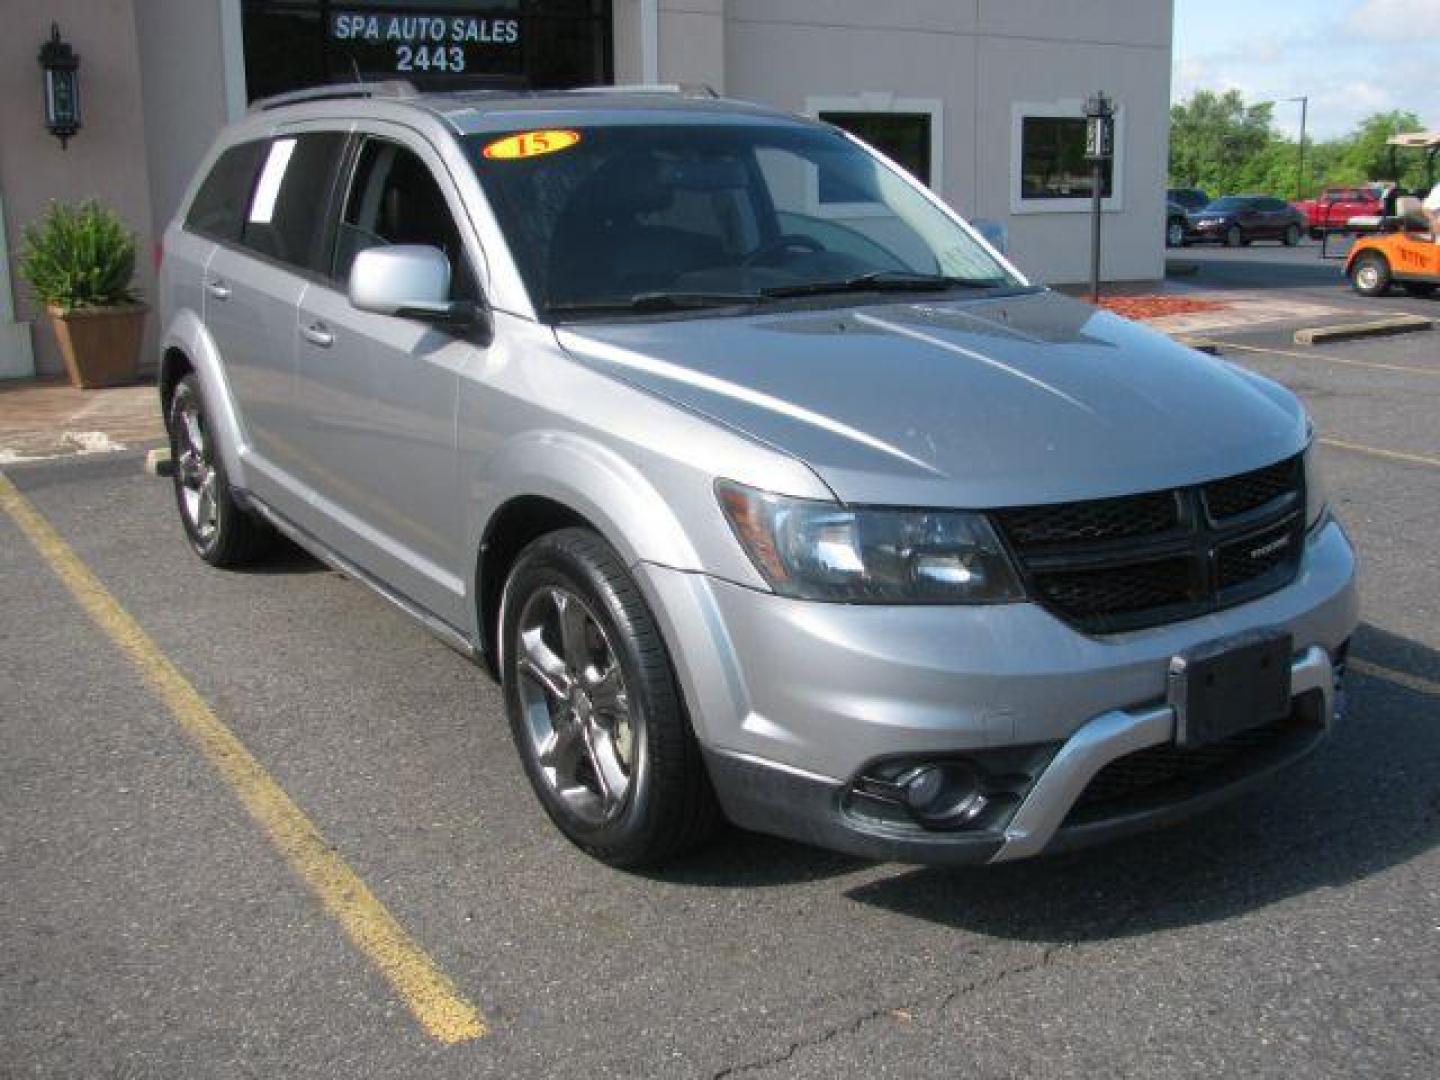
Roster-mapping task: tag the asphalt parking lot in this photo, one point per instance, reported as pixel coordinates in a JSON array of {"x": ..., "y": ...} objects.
[
  {"x": 151, "y": 927},
  {"x": 1309, "y": 271}
]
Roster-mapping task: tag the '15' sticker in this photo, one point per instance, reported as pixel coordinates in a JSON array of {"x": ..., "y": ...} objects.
[{"x": 531, "y": 144}]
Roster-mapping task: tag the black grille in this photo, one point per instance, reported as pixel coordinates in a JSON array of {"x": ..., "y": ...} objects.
[
  {"x": 1108, "y": 565},
  {"x": 1118, "y": 590},
  {"x": 1242, "y": 561},
  {"x": 1094, "y": 521},
  {"x": 1167, "y": 773},
  {"x": 1249, "y": 491}
]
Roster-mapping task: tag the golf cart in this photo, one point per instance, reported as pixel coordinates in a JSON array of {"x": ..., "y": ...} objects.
[{"x": 1400, "y": 246}]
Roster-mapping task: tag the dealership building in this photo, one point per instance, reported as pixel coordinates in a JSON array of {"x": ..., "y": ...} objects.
[{"x": 983, "y": 100}]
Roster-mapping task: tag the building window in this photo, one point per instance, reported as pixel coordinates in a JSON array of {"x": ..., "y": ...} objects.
[
  {"x": 903, "y": 137},
  {"x": 906, "y": 130},
  {"x": 1049, "y": 172},
  {"x": 436, "y": 44},
  {"x": 1052, "y": 160}
]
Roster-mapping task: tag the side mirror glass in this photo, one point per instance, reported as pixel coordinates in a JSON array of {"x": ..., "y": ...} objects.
[
  {"x": 996, "y": 234},
  {"x": 411, "y": 281}
]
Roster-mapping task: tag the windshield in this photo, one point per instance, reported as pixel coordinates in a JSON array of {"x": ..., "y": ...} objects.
[
  {"x": 1230, "y": 202},
  {"x": 628, "y": 215}
]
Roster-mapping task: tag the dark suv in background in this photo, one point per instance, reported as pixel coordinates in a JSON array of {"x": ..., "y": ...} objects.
[{"x": 1188, "y": 199}]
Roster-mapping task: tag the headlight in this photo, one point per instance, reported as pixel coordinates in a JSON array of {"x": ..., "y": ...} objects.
[
  {"x": 1316, "y": 497},
  {"x": 824, "y": 551}
]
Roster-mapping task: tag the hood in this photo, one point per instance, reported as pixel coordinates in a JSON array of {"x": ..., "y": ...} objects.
[{"x": 1005, "y": 401}]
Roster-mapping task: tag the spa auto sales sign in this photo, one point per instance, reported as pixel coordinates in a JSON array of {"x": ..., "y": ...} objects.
[{"x": 414, "y": 41}]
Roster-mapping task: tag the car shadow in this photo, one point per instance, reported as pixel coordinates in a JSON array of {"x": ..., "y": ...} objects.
[
  {"x": 1368, "y": 800},
  {"x": 286, "y": 557},
  {"x": 1209, "y": 267}
]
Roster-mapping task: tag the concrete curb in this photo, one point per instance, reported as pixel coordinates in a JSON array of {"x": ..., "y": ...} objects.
[
  {"x": 158, "y": 463},
  {"x": 1395, "y": 324}
]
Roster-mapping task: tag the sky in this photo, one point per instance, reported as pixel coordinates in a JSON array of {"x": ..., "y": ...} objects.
[{"x": 1350, "y": 57}]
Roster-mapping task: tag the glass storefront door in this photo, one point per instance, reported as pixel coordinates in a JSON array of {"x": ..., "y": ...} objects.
[{"x": 436, "y": 44}]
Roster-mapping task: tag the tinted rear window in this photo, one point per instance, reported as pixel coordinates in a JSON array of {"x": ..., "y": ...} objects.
[
  {"x": 286, "y": 215},
  {"x": 219, "y": 206}
]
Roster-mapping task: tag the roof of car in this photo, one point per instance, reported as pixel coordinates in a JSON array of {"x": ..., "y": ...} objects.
[{"x": 494, "y": 110}]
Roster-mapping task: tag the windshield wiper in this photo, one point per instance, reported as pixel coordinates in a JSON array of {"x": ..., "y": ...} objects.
[
  {"x": 883, "y": 281},
  {"x": 658, "y": 301}
]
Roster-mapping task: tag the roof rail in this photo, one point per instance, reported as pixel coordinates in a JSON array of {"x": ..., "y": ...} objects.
[
  {"x": 389, "y": 88},
  {"x": 677, "y": 89}
]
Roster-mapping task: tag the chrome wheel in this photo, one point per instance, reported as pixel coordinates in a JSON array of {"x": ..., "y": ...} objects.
[
  {"x": 195, "y": 470},
  {"x": 576, "y": 707},
  {"x": 1367, "y": 276}
]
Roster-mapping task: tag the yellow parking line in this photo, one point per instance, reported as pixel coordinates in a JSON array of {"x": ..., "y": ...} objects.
[
  {"x": 1399, "y": 678},
  {"x": 1409, "y": 369},
  {"x": 1393, "y": 455},
  {"x": 428, "y": 993}
]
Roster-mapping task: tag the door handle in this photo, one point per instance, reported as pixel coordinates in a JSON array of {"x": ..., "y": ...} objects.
[
  {"x": 218, "y": 289},
  {"x": 318, "y": 334}
]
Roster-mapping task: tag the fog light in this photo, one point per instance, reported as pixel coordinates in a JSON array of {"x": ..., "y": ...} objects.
[{"x": 943, "y": 796}]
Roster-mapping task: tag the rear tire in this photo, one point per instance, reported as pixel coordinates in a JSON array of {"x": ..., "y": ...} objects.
[
  {"x": 594, "y": 707},
  {"x": 1234, "y": 237},
  {"x": 220, "y": 531},
  {"x": 1370, "y": 274},
  {"x": 1175, "y": 233}
]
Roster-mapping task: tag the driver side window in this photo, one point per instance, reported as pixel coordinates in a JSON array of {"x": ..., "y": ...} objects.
[{"x": 394, "y": 199}]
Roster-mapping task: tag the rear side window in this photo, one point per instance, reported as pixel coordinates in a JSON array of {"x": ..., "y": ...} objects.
[
  {"x": 286, "y": 216},
  {"x": 219, "y": 206}
]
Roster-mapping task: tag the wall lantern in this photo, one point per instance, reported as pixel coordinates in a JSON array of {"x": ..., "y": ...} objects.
[{"x": 62, "y": 87}]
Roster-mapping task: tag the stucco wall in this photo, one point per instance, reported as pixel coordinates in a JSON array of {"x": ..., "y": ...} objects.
[
  {"x": 106, "y": 160},
  {"x": 181, "y": 64},
  {"x": 980, "y": 57}
]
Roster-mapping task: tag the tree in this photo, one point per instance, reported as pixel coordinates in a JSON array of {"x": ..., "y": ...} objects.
[
  {"x": 1221, "y": 144},
  {"x": 1364, "y": 152},
  {"x": 1216, "y": 140}
]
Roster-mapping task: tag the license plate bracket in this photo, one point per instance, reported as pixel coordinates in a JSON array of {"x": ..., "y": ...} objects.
[{"x": 1229, "y": 686}]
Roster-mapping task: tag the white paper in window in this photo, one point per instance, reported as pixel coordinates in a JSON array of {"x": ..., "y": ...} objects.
[{"x": 262, "y": 208}]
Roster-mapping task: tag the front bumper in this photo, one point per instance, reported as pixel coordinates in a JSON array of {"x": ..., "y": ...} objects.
[
  {"x": 1207, "y": 230},
  {"x": 793, "y": 700}
]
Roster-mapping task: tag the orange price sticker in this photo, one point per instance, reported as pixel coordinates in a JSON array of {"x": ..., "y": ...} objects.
[{"x": 528, "y": 144}]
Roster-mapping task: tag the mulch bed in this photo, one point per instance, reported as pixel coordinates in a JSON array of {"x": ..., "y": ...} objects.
[{"x": 1156, "y": 307}]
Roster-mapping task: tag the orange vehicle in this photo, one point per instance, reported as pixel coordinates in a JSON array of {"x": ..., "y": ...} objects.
[{"x": 1405, "y": 248}]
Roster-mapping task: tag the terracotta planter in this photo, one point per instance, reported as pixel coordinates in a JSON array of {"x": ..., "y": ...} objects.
[{"x": 100, "y": 346}]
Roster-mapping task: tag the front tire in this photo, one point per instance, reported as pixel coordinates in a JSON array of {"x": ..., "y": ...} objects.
[
  {"x": 1292, "y": 235},
  {"x": 594, "y": 708},
  {"x": 1421, "y": 290},
  {"x": 1234, "y": 237},
  {"x": 1370, "y": 274},
  {"x": 220, "y": 531}
]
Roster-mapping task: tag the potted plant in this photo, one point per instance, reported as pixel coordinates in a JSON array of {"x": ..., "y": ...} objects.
[{"x": 79, "y": 262}]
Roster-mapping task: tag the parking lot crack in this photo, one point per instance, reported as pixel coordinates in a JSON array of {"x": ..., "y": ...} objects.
[{"x": 856, "y": 1024}]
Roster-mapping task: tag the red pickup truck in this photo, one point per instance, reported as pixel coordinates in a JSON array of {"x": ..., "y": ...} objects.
[{"x": 1333, "y": 207}]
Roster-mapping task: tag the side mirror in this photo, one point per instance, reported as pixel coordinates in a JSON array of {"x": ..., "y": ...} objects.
[
  {"x": 996, "y": 234},
  {"x": 410, "y": 281}
]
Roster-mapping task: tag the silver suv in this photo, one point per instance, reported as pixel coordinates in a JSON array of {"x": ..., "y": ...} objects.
[{"x": 766, "y": 487}]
